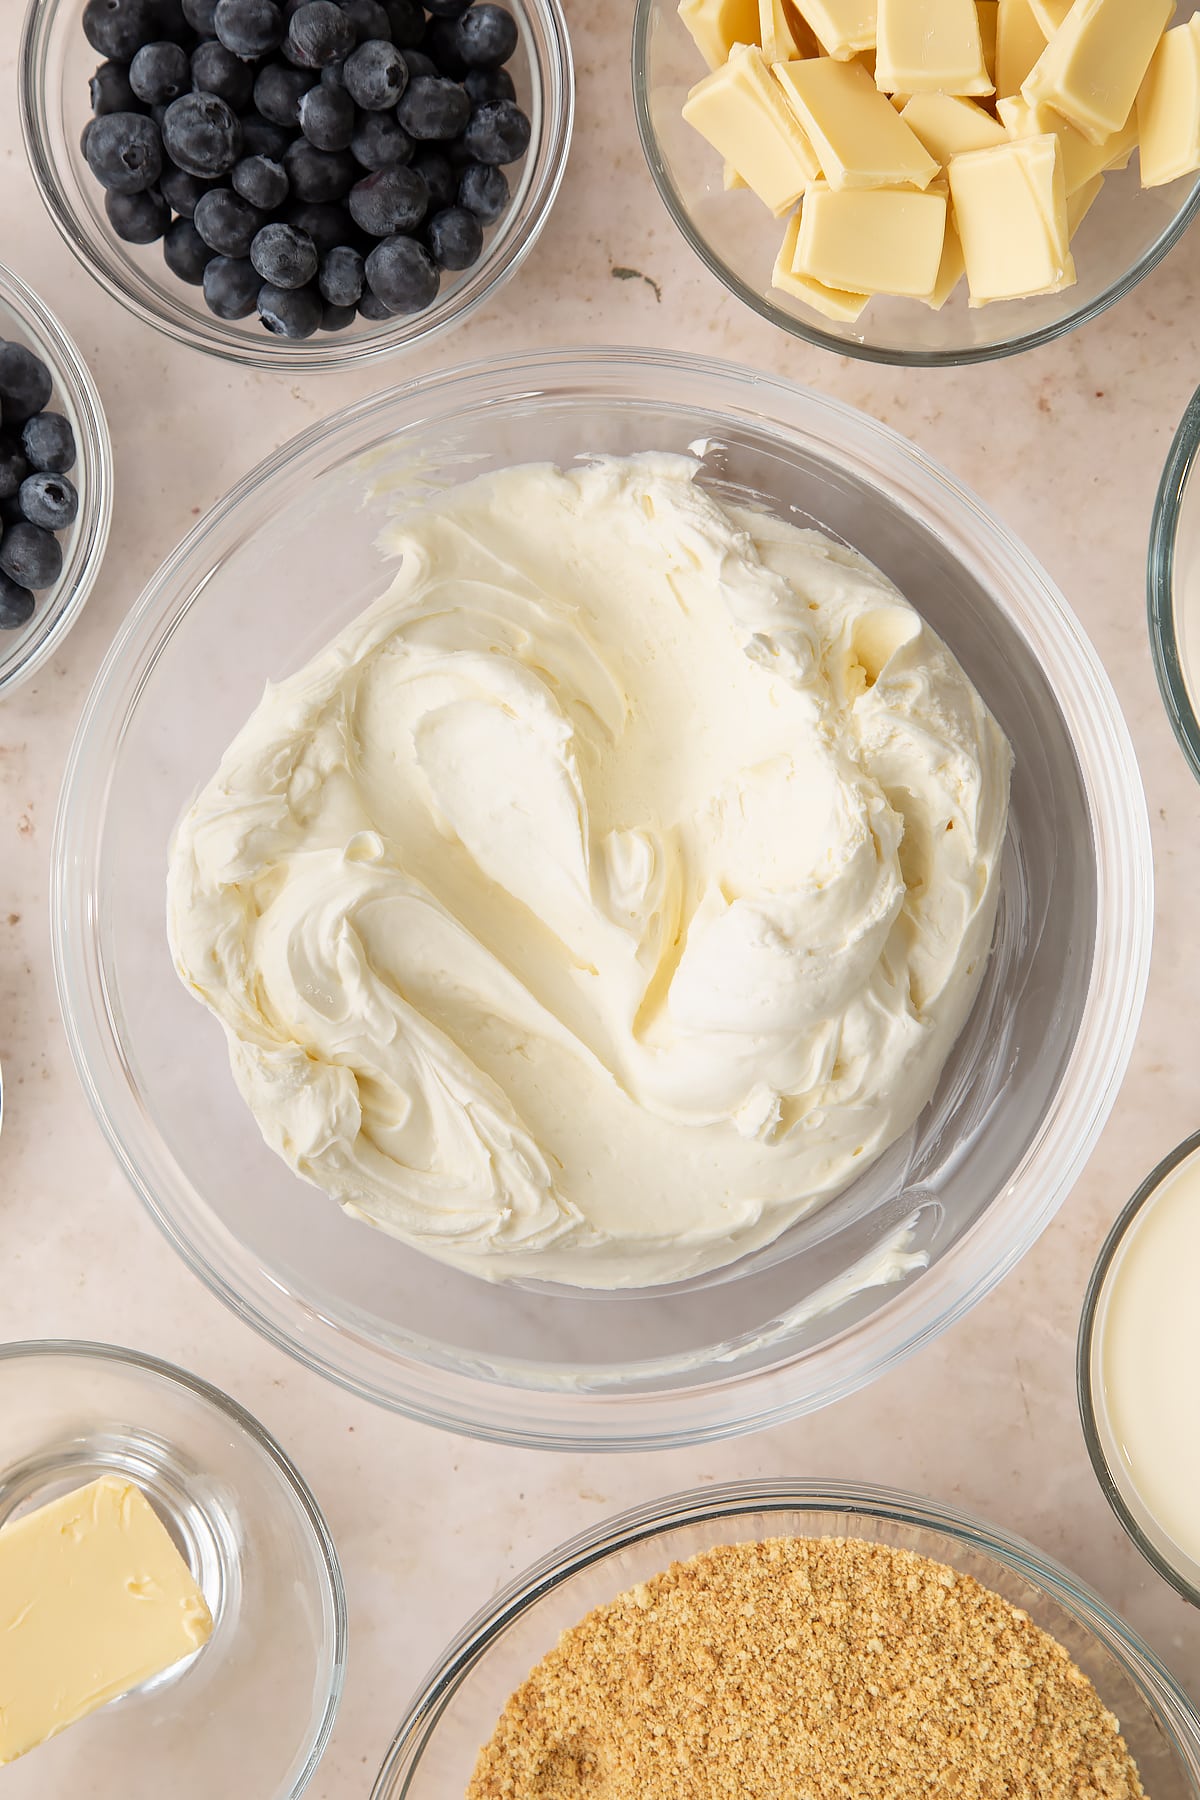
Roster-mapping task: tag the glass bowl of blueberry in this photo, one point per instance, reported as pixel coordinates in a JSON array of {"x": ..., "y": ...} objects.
[
  {"x": 56, "y": 480},
  {"x": 298, "y": 184}
]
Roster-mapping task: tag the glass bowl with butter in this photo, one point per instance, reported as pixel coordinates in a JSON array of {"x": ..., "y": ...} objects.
[
  {"x": 956, "y": 182},
  {"x": 292, "y": 558},
  {"x": 1173, "y": 586},
  {"x": 175, "y": 1621}
]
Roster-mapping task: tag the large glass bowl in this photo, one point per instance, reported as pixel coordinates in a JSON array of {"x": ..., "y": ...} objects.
[
  {"x": 456, "y": 1711},
  {"x": 24, "y": 318},
  {"x": 278, "y": 567},
  {"x": 1126, "y": 234},
  {"x": 56, "y": 63},
  {"x": 1173, "y": 586}
]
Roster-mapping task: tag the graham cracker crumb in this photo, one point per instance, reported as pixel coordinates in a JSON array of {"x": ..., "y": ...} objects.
[{"x": 819, "y": 1669}]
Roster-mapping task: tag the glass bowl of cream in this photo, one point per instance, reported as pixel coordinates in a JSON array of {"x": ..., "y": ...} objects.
[
  {"x": 286, "y": 565},
  {"x": 1173, "y": 586}
]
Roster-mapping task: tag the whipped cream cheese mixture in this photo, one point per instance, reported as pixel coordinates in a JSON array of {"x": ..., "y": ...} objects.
[{"x": 610, "y": 892}]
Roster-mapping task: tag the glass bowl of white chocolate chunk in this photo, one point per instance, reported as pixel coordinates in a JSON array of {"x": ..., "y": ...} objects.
[
  {"x": 947, "y": 194},
  {"x": 558, "y": 905}
]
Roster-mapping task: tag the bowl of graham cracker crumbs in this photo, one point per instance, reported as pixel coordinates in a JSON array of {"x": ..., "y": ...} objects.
[{"x": 758, "y": 1640}]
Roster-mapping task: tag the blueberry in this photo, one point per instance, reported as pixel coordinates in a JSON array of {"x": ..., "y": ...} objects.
[
  {"x": 290, "y": 312},
  {"x": 440, "y": 178},
  {"x": 180, "y": 190},
  {"x": 201, "y": 16},
  {"x": 30, "y": 556},
  {"x": 216, "y": 70},
  {"x": 185, "y": 252},
  {"x": 418, "y": 63},
  {"x": 84, "y": 135},
  {"x": 110, "y": 90},
  {"x": 227, "y": 223},
  {"x": 341, "y": 276},
  {"x": 455, "y": 238},
  {"x": 498, "y": 132},
  {"x": 119, "y": 28},
  {"x": 278, "y": 92},
  {"x": 172, "y": 23},
  {"x": 283, "y": 256},
  {"x": 379, "y": 141},
  {"x": 336, "y": 318},
  {"x": 372, "y": 307},
  {"x": 486, "y": 36},
  {"x": 16, "y": 604},
  {"x": 402, "y": 274},
  {"x": 201, "y": 134},
  {"x": 407, "y": 20},
  {"x": 49, "y": 501},
  {"x": 231, "y": 287},
  {"x": 249, "y": 27},
  {"x": 489, "y": 84},
  {"x": 391, "y": 200},
  {"x": 138, "y": 218},
  {"x": 447, "y": 9},
  {"x": 376, "y": 75},
  {"x": 318, "y": 33},
  {"x": 433, "y": 109},
  {"x": 13, "y": 465},
  {"x": 327, "y": 117},
  {"x": 441, "y": 42},
  {"x": 483, "y": 190},
  {"x": 262, "y": 137},
  {"x": 369, "y": 19},
  {"x": 325, "y": 224},
  {"x": 261, "y": 181},
  {"x": 49, "y": 443},
  {"x": 319, "y": 174},
  {"x": 25, "y": 383},
  {"x": 124, "y": 152},
  {"x": 331, "y": 76},
  {"x": 160, "y": 72}
]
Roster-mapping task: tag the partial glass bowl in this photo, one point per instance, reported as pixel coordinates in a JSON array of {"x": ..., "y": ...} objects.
[
  {"x": 55, "y": 65},
  {"x": 251, "y": 1712},
  {"x": 457, "y": 1709},
  {"x": 26, "y": 319},
  {"x": 1126, "y": 234},
  {"x": 265, "y": 580},
  {"x": 1173, "y": 586}
]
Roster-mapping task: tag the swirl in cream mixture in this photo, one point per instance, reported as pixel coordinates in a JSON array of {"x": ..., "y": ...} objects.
[{"x": 611, "y": 892}]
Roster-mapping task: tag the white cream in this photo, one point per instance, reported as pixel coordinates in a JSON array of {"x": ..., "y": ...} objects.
[{"x": 607, "y": 895}]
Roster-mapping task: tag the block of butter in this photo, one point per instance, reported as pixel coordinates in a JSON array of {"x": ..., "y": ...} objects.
[
  {"x": 844, "y": 28},
  {"x": 1081, "y": 159},
  {"x": 717, "y": 25},
  {"x": 835, "y": 303},
  {"x": 1010, "y": 207},
  {"x": 1168, "y": 107},
  {"x": 94, "y": 1600},
  {"x": 741, "y": 110},
  {"x": 949, "y": 126},
  {"x": 859, "y": 138},
  {"x": 1020, "y": 40},
  {"x": 872, "y": 240},
  {"x": 782, "y": 33},
  {"x": 930, "y": 47},
  {"x": 1093, "y": 66}
]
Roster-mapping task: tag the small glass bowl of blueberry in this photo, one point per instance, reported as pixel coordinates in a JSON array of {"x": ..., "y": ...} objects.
[
  {"x": 56, "y": 478},
  {"x": 298, "y": 184}
]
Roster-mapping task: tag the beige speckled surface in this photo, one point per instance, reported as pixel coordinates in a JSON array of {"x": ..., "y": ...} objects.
[{"x": 1067, "y": 445}]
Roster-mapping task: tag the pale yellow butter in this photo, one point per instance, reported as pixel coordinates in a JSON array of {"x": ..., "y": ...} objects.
[
  {"x": 929, "y": 47},
  {"x": 1168, "y": 107},
  {"x": 872, "y": 240},
  {"x": 741, "y": 110},
  {"x": 951, "y": 269},
  {"x": 843, "y": 28},
  {"x": 859, "y": 138},
  {"x": 1050, "y": 14},
  {"x": 1082, "y": 160},
  {"x": 949, "y": 125},
  {"x": 1080, "y": 203},
  {"x": 1010, "y": 207},
  {"x": 94, "y": 1600},
  {"x": 1093, "y": 66},
  {"x": 988, "y": 11},
  {"x": 717, "y": 25},
  {"x": 1020, "y": 40},
  {"x": 782, "y": 33},
  {"x": 835, "y": 303}
]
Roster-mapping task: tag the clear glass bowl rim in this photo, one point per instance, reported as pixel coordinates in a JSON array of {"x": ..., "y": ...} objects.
[
  {"x": 727, "y": 1405},
  {"x": 1085, "y": 1390},
  {"x": 326, "y": 351},
  {"x": 812, "y": 333},
  {"x": 731, "y": 1500},
  {"x": 91, "y": 528},
  {"x": 244, "y": 1422},
  {"x": 1160, "y": 583}
]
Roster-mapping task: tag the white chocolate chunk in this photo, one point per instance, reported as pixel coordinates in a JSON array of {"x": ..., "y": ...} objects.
[
  {"x": 1020, "y": 41},
  {"x": 1080, "y": 203},
  {"x": 717, "y": 25},
  {"x": 782, "y": 33},
  {"x": 1168, "y": 108},
  {"x": 741, "y": 110},
  {"x": 949, "y": 125},
  {"x": 859, "y": 138},
  {"x": 1010, "y": 207},
  {"x": 843, "y": 28},
  {"x": 872, "y": 240},
  {"x": 1092, "y": 68},
  {"x": 1081, "y": 159},
  {"x": 835, "y": 303},
  {"x": 929, "y": 47}
]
